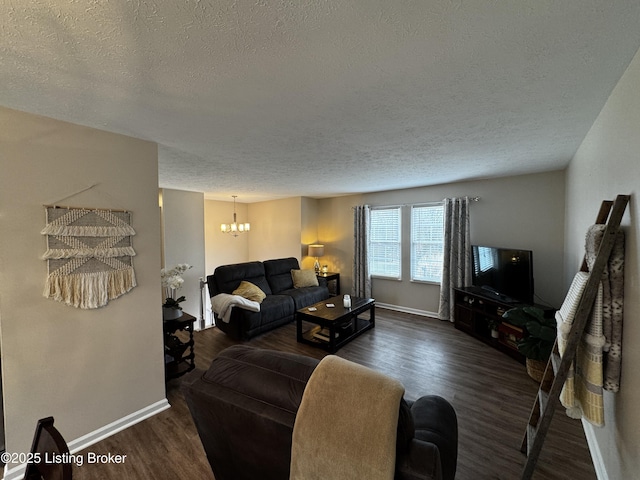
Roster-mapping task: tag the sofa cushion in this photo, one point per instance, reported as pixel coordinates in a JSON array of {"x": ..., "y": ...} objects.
[
  {"x": 278, "y": 273},
  {"x": 276, "y": 306},
  {"x": 275, "y": 310},
  {"x": 304, "y": 278},
  {"x": 250, "y": 291},
  {"x": 229, "y": 277},
  {"x": 272, "y": 309},
  {"x": 303, "y": 297}
]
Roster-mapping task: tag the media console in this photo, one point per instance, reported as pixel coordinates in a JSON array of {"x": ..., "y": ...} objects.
[{"x": 476, "y": 309}]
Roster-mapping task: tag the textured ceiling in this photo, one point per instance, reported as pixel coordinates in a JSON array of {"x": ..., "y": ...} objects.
[{"x": 268, "y": 99}]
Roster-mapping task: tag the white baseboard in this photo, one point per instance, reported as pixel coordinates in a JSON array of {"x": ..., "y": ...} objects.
[
  {"x": 414, "y": 311},
  {"x": 91, "y": 438},
  {"x": 594, "y": 449}
]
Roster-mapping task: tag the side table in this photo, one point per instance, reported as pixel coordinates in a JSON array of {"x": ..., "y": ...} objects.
[
  {"x": 331, "y": 277},
  {"x": 179, "y": 357}
]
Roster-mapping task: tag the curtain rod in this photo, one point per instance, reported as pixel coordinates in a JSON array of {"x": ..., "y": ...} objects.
[{"x": 471, "y": 199}]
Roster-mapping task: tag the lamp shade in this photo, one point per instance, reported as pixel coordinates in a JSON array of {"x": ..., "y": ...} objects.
[{"x": 316, "y": 250}]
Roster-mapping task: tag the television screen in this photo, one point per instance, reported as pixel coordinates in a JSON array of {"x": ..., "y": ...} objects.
[{"x": 505, "y": 272}]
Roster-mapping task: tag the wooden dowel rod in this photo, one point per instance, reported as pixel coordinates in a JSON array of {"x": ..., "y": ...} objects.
[{"x": 90, "y": 209}]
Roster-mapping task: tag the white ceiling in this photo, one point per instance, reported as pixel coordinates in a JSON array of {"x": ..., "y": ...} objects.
[{"x": 268, "y": 99}]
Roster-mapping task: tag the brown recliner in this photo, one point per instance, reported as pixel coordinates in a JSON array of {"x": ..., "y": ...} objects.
[{"x": 244, "y": 407}]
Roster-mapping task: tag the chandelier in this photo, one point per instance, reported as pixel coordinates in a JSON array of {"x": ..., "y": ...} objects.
[{"x": 234, "y": 228}]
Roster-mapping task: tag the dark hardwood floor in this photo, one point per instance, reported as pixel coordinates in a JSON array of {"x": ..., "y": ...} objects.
[{"x": 491, "y": 393}]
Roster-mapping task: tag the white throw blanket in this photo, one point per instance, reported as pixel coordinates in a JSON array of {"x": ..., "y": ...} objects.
[{"x": 223, "y": 303}]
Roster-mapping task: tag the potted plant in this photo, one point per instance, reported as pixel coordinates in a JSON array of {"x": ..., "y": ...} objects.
[
  {"x": 172, "y": 282},
  {"x": 539, "y": 335},
  {"x": 493, "y": 326}
]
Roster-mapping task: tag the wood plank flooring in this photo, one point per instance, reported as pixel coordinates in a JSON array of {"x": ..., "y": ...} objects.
[{"x": 491, "y": 393}]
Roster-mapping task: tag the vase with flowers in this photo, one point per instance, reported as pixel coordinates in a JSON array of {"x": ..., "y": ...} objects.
[{"x": 172, "y": 281}]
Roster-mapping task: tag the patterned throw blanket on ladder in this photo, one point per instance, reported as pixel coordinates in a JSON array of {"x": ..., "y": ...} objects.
[{"x": 596, "y": 365}]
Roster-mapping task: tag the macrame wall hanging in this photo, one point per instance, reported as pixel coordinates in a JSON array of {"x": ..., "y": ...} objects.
[{"x": 89, "y": 255}]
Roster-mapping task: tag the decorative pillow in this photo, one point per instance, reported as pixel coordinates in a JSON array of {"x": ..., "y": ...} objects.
[
  {"x": 250, "y": 291},
  {"x": 304, "y": 278}
]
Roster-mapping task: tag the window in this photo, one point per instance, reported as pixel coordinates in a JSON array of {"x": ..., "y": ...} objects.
[
  {"x": 427, "y": 242},
  {"x": 384, "y": 243}
]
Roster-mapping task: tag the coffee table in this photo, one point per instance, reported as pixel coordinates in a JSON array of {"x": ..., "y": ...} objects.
[{"x": 340, "y": 324}]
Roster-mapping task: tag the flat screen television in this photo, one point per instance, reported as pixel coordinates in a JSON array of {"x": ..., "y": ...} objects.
[{"x": 504, "y": 272}]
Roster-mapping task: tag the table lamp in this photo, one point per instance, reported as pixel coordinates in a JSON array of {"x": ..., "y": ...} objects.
[{"x": 316, "y": 251}]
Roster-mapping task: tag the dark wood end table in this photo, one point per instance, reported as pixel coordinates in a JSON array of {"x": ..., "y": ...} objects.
[
  {"x": 179, "y": 357},
  {"x": 339, "y": 324},
  {"x": 331, "y": 277}
]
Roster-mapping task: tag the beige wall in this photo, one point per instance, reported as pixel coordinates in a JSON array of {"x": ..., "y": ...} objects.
[
  {"x": 517, "y": 212},
  {"x": 86, "y": 368},
  {"x": 275, "y": 229},
  {"x": 279, "y": 229},
  {"x": 606, "y": 165},
  {"x": 308, "y": 231},
  {"x": 223, "y": 248},
  {"x": 183, "y": 241},
  {"x": 335, "y": 231}
]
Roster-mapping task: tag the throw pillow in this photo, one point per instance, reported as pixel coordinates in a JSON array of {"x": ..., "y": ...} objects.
[
  {"x": 250, "y": 291},
  {"x": 304, "y": 278}
]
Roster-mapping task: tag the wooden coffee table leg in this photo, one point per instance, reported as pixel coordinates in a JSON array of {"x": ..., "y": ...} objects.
[{"x": 332, "y": 339}]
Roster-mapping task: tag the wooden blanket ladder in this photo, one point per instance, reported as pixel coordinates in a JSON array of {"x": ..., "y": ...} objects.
[{"x": 557, "y": 369}]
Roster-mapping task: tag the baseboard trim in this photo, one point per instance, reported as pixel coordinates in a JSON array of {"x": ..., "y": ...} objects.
[
  {"x": 414, "y": 311},
  {"x": 594, "y": 449},
  {"x": 117, "y": 426},
  {"x": 98, "y": 435}
]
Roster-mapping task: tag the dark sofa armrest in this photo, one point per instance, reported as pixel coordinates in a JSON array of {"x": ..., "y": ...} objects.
[
  {"x": 420, "y": 462},
  {"x": 436, "y": 422}
]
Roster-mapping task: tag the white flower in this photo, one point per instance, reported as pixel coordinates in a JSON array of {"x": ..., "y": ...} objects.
[
  {"x": 170, "y": 276},
  {"x": 175, "y": 282},
  {"x": 172, "y": 279}
]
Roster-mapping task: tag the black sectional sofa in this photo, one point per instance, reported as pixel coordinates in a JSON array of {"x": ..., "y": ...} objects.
[{"x": 282, "y": 300}]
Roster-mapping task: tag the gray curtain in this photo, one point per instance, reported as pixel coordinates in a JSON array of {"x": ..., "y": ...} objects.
[
  {"x": 456, "y": 265},
  {"x": 361, "y": 277}
]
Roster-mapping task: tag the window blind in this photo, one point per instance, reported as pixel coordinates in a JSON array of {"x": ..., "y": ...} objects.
[
  {"x": 427, "y": 242},
  {"x": 385, "y": 242}
]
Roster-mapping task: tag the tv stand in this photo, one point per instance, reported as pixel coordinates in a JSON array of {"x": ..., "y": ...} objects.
[{"x": 476, "y": 308}]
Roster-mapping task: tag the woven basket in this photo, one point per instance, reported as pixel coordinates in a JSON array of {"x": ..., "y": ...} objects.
[{"x": 535, "y": 369}]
